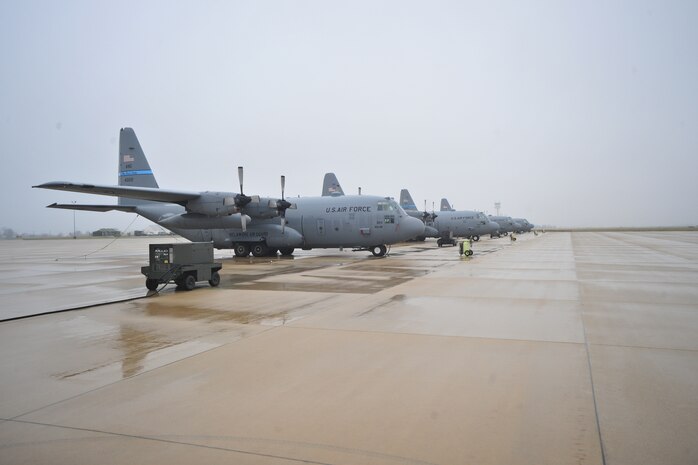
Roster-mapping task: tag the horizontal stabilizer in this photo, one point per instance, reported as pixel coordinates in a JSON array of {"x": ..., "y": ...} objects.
[
  {"x": 93, "y": 208},
  {"x": 143, "y": 193}
]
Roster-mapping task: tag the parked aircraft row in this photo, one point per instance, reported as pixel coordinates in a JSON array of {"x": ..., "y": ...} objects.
[
  {"x": 507, "y": 224},
  {"x": 448, "y": 224},
  {"x": 267, "y": 225}
]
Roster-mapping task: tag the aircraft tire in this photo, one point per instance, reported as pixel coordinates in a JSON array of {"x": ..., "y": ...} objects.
[
  {"x": 260, "y": 250},
  {"x": 476, "y": 238},
  {"x": 241, "y": 250},
  {"x": 152, "y": 284},
  {"x": 439, "y": 242},
  {"x": 272, "y": 252},
  {"x": 215, "y": 279},
  {"x": 189, "y": 282},
  {"x": 378, "y": 250},
  {"x": 286, "y": 251}
]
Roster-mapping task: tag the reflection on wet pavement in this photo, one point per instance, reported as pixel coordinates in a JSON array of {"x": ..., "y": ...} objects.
[
  {"x": 136, "y": 345},
  {"x": 351, "y": 276},
  {"x": 173, "y": 310}
]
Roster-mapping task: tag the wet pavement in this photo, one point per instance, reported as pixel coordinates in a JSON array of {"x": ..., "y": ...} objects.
[{"x": 562, "y": 348}]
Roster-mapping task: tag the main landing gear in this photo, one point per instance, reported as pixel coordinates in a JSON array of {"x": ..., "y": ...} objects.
[
  {"x": 260, "y": 249},
  {"x": 445, "y": 241},
  {"x": 378, "y": 250}
]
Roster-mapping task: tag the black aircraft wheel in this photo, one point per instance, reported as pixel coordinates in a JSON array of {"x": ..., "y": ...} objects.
[
  {"x": 260, "y": 250},
  {"x": 286, "y": 251},
  {"x": 189, "y": 282},
  {"x": 215, "y": 279},
  {"x": 272, "y": 252},
  {"x": 241, "y": 250},
  {"x": 439, "y": 242},
  {"x": 378, "y": 250},
  {"x": 152, "y": 284},
  {"x": 476, "y": 238}
]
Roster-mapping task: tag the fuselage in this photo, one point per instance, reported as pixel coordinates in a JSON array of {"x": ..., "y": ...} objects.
[
  {"x": 463, "y": 223},
  {"x": 313, "y": 222},
  {"x": 525, "y": 226},
  {"x": 506, "y": 224}
]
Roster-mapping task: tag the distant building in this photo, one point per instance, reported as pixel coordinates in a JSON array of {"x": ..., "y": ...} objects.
[{"x": 107, "y": 232}]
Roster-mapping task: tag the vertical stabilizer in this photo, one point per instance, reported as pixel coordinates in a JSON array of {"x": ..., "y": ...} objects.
[
  {"x": 445, "y": 206},
  {"x": 134, "y": 169},
  {"x": 330, "y": 186},
  {"x": 406, "y": 201}
]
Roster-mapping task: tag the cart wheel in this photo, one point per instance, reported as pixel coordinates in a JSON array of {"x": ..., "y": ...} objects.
[
  {"x": 189, "y": 282},
  {"x": 439, "y": 242},
  {"x": 215, "y": 279},
  {"x": 152, "y": 284}
]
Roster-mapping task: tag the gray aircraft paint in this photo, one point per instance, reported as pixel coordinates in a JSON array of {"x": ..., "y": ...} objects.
[
  {"x": 445, "y": 206},
  {"x": 330, "y": 186},
  {"x": 506, "y": 224},
  {"x": 525, "y": 226},
  {"x": 312, "y": 222},
  {"x": 462, "y": 223}
]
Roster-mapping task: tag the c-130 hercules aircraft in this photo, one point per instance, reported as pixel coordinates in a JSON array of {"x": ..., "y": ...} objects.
[
  {"x": 260, "y": 225},
  {"x": 450, "y": 223}
]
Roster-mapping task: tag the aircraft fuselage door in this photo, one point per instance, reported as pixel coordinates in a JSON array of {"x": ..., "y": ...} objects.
[{"x": 321, "y": 226}]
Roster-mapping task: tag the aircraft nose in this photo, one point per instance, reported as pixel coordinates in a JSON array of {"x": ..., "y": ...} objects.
[
  {"x": 494, "y": 226},
  {"x": 411, "y": 227}
]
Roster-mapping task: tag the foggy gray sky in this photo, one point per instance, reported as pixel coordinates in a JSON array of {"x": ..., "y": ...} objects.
[{"x": 568, "y": 113}]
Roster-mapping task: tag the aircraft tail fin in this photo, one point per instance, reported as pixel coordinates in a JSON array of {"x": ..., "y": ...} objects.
[
  {"x": 445, "y": 206},
  {"x": 330, "y": 186},
  {"x": 406, "y": 201},
  {"x": 134, "y": 169}
]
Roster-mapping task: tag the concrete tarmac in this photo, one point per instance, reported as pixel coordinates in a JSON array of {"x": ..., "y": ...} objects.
[{"x": 565, "y": 348}]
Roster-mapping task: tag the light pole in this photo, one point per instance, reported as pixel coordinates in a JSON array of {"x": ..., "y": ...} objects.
[{"x": 74, "y": 235}]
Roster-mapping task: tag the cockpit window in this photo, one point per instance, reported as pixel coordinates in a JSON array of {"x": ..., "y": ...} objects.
[{"x": 388, "y": 206}]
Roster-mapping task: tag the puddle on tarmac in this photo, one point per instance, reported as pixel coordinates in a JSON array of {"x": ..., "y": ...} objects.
[
  {"x": 135, "y": 346},
  {"x": 159, "y": 309},
  {"x": 354, "y": 278}
]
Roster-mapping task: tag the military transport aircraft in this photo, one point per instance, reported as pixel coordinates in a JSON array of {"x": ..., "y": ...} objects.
[
  {"x": 450, "y": 224},
  {"x": 331, "y": 187},
  {"x": 525, "y": 226},
  {"x": 506, "y": 224},
  {"x": 261, "y": 225}
]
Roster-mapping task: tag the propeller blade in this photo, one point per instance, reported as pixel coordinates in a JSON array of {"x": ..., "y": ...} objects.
[
  {"x": 282, "y": 204},
  {"x": 243, "y": 221},
  {"x": 240, "y": 173}
]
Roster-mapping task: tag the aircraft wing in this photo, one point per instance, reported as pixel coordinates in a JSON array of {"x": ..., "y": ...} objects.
[
  {"x": 142, "y": 193},
  {"x": 94, "y": 208}
]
